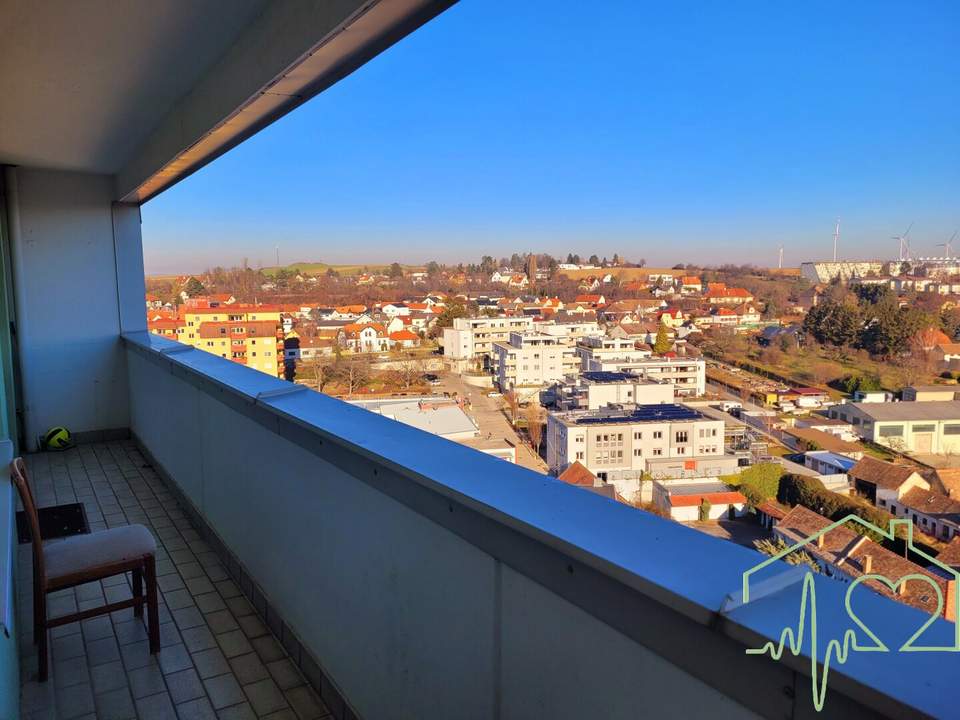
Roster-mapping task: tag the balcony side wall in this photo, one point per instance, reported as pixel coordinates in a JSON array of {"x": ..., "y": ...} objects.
[
  {"x": 68, "y": 314},
  {"x": 407, "y": 618}
]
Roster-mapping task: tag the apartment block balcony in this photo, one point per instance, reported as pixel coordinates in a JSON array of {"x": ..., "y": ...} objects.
[{"x": 317, "y": 559}]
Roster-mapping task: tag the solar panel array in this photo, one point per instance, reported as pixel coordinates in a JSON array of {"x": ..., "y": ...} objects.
[
  {"x": 644, "y": 413},
  {"x": 605, "y": 376}
]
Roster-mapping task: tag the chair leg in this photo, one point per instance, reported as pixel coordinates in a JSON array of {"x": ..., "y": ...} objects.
[
  {"x": 153, "y": 614},
  {"x": 40, "y": 638},
  {"x": 138, "y": 591}
]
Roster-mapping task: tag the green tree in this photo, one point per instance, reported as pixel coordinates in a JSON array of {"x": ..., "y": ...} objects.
[
  {"x": 890, "y": 328},
  {"x": 775, "y": 546},
  {"x": 450, "y": 312},
  {"x": 703, "y": 512},
  {"x": 662, "y": 343},
  {"x": 396, "y": 271},
  {"x": 433, "y": 268},
  {"x": 194, "y": 287},
  {"x": 950, "y": 322}
]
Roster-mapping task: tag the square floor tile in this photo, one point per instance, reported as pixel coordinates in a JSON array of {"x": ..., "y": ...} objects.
[
  {"x": 224, "y": 690},
  {"x": 265, "y": 696},
  {"x": 210, "y": 662},
  {"x": 184, "y": 685}
]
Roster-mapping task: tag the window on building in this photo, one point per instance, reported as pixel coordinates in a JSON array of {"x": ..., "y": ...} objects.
[
  {"x": 883, "y": 503},
  {"x": 636, "y": 452},
  {"x": 580, "y": 455},
  {"x": 657, "y": 434},
  {"x": 891, "y": 431},
  {"x": 681, "y": 451},
  {"x": 924, "y": 428},
  {"x": 681, "y": 436},
  {"x": 658, "y": 451},
  {"x": 638, "y": 436},
  {"x": 951, "y": 429}
]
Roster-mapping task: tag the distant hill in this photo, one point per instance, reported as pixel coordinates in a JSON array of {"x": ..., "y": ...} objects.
[
  {"x": 635, "y": 273},
  {"x": 312, "y": 268}
]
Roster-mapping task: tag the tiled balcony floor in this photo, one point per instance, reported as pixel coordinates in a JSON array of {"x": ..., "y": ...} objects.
[{"x": 218, "y": 660}]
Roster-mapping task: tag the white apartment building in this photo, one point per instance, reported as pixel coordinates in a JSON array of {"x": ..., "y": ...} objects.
[
  {"x": 532, "y": 359},
  {"x": 619, "y": 444},
  {"x": 570, "y": 332},
  {"x": 687, "y": 375},
  {"x": 470, "y": 338},
  {"x": 595, "y": 390}
]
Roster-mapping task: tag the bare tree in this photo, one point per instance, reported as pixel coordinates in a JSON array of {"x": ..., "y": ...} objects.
[
  {"x": 409, "y": 373},
  {"x": 355, "y": 373},
  {"x": 512, "y": 404},
  {"x": 321, "y": 369},
  {"x": 535, "y": 420}
]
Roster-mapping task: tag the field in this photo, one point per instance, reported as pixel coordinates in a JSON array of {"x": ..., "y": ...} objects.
[
  {"x": 638, "y": 273},
  {"x": 312, "y": 268}
]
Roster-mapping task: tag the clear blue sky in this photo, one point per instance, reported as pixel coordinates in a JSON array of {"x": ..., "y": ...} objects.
[{"x": 674, "y": 131}]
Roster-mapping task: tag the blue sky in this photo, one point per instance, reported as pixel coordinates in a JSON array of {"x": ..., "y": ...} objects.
[{"x": 673, "y": 131}]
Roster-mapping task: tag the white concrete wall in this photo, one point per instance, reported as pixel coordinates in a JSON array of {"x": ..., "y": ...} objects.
[
  {"x": 67, "y": 242},
  {"x": 409, "y": 619}
]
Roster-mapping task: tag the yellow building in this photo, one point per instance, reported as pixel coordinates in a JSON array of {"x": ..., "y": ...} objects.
[{"x": 250, "y": 335}]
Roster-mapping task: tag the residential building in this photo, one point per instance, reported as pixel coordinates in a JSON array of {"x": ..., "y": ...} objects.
[
  {"x": 846, "y": 555},
  {"x": 947, "y": 355},
  {"x": 918, "y": 427},
  {"x": 682, "y": 499},
  {"x": 250, "y": 335},
  {"x": 365, "y": 338},
  {"x": 594, "y": 390},
  {"x": 470, "y": 338},
  {"x": 532, "y": 359},
  {"x": 903, "y": 492},
  {"x": 620, "y": 444},
  {"x": 825, "y": 462},
  {"x": 690, "y": 284},
  {"x": 688, "y": 375},
  {"x": 719, "y": 294}
]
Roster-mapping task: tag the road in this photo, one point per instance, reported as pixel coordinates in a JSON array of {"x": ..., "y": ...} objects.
[
  {"x": 788, "y": 465},
  {"x": 487, "y": 414}
]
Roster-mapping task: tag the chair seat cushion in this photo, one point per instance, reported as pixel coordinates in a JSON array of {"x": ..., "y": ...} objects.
[{"x": 105, "y": 547}]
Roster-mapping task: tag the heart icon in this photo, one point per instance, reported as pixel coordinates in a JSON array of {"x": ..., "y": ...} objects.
[{"x": 908, "y": 646}]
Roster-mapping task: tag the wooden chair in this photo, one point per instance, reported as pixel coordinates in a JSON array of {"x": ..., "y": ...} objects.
[{"x": 85, "y": 558}]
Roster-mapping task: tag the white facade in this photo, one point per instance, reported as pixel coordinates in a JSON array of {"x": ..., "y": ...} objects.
[
  {"x": 532, "y": 359},
  {"x": 473, "y": 337},
  {"x": 593, "y": 391},
  {"x": 629, "y": 443}
]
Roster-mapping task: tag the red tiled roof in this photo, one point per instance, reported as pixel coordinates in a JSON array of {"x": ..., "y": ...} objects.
[
  {"x": 401, "y": 335},
  {"x": 714, "y": 498},
  {"x": 577, "y": 474}
]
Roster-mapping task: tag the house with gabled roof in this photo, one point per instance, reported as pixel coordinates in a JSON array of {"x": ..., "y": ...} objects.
[
  {"x": 843, "y": 552},
  {"x": 884, "y": 483}
]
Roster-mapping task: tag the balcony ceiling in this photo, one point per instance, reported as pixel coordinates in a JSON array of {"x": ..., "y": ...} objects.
[
  {"x": 82, "y": 84},
  {"x": 149, "y": 92}
]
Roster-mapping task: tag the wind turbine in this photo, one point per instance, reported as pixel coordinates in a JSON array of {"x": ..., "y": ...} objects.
[
  {"x": 780, "y": 259},
  {"x": 904, "y": 245},
  {"x": 836, "y": 239},
  {"x": 948, "y": 245}
]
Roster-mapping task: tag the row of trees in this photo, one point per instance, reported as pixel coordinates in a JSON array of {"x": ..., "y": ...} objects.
[
  {"x": 353, "y": 373},
  {"x": 872, "y": 319}
]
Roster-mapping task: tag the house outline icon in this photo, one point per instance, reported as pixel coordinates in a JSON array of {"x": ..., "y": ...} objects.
[{"x": 889, "y": 535}]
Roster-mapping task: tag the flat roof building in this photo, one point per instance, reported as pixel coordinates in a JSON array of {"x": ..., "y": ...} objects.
[
  {"x": 619, "y": 444},
  {"x": 917, "y": 427}
]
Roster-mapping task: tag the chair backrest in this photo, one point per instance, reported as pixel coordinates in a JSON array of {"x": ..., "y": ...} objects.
[{"x": 18, "y": 473}]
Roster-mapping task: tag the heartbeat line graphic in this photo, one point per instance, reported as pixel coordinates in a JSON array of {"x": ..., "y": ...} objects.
[{"x": 835, "y": 648}]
